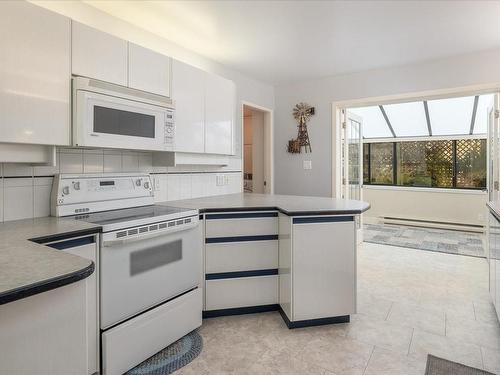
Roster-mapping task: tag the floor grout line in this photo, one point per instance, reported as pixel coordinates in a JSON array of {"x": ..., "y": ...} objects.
[
  {"x": 389, "y": 312},
  {"x": 474, "y": 309},
  {"x": 411, "y": 340},
  {"x": 369, "y": 358}
]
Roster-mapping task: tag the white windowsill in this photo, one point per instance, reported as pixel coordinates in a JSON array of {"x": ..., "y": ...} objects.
[{"x": 425, "y": 189}]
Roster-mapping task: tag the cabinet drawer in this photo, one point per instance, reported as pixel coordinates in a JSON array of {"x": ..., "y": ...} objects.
[
  {"x": 241, "y": 292},
  {"x": 130, "y": 343},
  {"x": 241, "y": 256},
  {"x": 235, "y": 225}
]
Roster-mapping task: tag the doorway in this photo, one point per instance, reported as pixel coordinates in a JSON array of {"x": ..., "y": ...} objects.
[{"x": 257, "y": 149}]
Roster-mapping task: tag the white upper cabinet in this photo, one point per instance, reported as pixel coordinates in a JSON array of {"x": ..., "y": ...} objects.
[
  {"x": 99, "y": 55},
  {"x": 34, "y": 75},
  {"x": 148, "y": 70},
  {"x": 188, "y": 93},
  {"x": 219, "y": 115}
]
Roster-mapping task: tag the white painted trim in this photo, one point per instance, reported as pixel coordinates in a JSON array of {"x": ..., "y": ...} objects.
[
  {"x": 426, "y": 138},
  {"x": 391, "y": 99},
  {"x": 268, "y": 142},
  {"x": 426, "y": 189}
]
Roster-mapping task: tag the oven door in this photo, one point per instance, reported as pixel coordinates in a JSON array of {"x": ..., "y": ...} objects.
[
  {"x": 140, "y": 273},
  {"x": 112, "y": 122}
]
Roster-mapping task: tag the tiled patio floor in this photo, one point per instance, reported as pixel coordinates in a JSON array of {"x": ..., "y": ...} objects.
[{"x": 443, "y": 241}]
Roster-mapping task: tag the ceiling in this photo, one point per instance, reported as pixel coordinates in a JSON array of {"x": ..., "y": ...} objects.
[{"x": 286, "y": 41}]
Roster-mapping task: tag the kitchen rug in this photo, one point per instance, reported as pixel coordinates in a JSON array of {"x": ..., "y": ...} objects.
[
  {"x": 440, "y": 366},
  {"x": 430, "y": 239},
  {"x": 172, "y": 358}
]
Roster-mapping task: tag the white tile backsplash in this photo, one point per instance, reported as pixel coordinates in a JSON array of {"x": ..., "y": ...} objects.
[{"x": 24, "y": 196}]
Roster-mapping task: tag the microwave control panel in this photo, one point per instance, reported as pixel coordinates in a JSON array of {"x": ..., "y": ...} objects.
[{"x": 169, "y": 128}]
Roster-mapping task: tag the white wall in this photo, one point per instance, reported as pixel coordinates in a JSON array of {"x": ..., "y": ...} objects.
[
  {"x": 450, "y": 207},
  {"x": 291, "y": 178}
]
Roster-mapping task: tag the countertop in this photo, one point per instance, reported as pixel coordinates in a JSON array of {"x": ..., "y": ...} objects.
[
  {"x": 28, "y": 267},
  {"x": 291, "y": 205}
]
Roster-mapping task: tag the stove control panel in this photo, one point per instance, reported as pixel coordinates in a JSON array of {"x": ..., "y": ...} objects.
[{"x": 93, "y": 193}]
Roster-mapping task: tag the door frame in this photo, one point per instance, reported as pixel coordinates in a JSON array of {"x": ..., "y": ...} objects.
[
  {"x": 268, "y": 143},
  {"x": 337, "y": 106}
]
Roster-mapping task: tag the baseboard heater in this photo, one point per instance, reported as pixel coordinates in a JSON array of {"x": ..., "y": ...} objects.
[{"x": 432, "y": 224}]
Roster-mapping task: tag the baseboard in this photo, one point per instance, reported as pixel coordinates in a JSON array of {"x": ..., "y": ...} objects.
[
  {"x": 240, "y": 311},
  {"x": 314, "y": 322}
]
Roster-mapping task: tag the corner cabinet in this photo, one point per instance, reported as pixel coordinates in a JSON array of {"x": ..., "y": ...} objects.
[
  {"x": 34, "y": 75},
  {"x": 205, "y": 105}
]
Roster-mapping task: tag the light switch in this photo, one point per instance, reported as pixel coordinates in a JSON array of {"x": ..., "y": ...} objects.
[{"x": 307, "y": 164}]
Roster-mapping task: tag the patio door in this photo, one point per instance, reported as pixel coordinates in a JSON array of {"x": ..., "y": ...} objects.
[
  {"x": 493, "y": 150},
  {"x": 352, "y": 160}
]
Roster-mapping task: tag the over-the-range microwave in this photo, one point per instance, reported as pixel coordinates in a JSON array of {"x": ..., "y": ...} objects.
[{"x": 106, "y": 115}]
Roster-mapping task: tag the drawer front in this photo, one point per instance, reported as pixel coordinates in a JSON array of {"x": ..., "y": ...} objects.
[
  {"x": 237, "y": 225},
  {"x": 241, "y": 256},
  {"x": 241, "y": 292},
  {"x": 133, "y": 341}
]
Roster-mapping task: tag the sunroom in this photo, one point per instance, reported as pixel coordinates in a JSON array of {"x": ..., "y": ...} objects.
[{"x": 425, "y": 171}]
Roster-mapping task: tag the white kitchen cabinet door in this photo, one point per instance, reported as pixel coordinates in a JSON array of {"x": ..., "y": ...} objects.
[
  {"x": 148, "y": 70},
  {"x": 34, "y": 75},
  {"x": 324, "y": 271},
  {"x": 219, "y": 115},
  {"x": 188, "y": 93},
  {"x": 99, "y": 55}
]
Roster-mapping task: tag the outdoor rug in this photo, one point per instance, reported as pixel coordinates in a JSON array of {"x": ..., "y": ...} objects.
[
  {"x": 172, "y": 358},
  {"x": 430, "y": 239},
  {"x": 440, "y": 366}
]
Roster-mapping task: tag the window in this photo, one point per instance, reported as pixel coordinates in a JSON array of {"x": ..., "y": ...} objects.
[
  {"x": 381, "y": 163},
  {"x": 459, "y": 164}
]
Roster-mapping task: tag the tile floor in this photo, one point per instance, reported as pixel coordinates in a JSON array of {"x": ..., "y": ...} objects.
[
  {"x": 440, "y": 240},
  {"x": 410, "y": 303}
]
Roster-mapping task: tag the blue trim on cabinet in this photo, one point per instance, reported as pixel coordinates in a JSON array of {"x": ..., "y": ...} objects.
[
  {"x": 241, "y": 215},
  {"x": 267, "y": 237},
  {"x": 240, "y": 311},
  {"x": 322, "y": 219},
  {"x": 238, "y": 274},
  {"x": 314, "y": 322},
  {"x": 68, "y": 244}
]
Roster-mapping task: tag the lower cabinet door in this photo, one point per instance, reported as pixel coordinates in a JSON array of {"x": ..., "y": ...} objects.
[
  {"x": 241, "y": 292},
  {"x": 135, "y": 340}
]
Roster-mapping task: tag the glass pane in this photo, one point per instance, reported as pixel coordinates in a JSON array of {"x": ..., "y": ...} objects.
[
  {"x": 407, "y": 119},
  {"x": 366, "y": 161},
  {"x": 471, "y": 163},
  {"x": 354, "y": 159},
  {"x": 118, "y": 122},
  {"x": 481, "y": 123},
  {"x": 374, "y": 125},
  {"x": 451, "y": 116},
  {"x": 425, "y": 163},
  {"x": 381, "y": 163}
]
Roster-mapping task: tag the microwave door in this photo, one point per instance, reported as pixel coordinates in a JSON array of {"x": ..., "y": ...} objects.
[{"x": 110, "y": 122}]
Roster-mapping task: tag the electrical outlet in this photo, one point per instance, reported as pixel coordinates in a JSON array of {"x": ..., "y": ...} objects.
[
  {"x": 307, "y": 164},
  {"x": 156, "y": 184}
]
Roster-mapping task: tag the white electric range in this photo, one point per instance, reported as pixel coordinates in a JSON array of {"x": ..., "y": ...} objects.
[{"x": 150, "y": 263}]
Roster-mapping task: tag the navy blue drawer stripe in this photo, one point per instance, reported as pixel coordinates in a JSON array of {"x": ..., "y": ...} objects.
[
  {"x": 63, "y": 245},
  {"x": 267, "y": 237},
  {"x": 233, "y": 275},
  {"x": 322, "y": 219},
  {"x": 242, "y": 215}
]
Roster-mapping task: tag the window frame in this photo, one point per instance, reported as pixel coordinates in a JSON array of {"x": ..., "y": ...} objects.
[{"x": 395, "y": 172}]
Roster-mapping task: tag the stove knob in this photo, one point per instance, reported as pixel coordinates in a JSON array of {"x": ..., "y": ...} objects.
[
  {"x": 65, "y": 190},
  {"x": 138, "y": 182},
  {"x": 76, "y": 185},
  {"x": 146, "y": 185}
]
